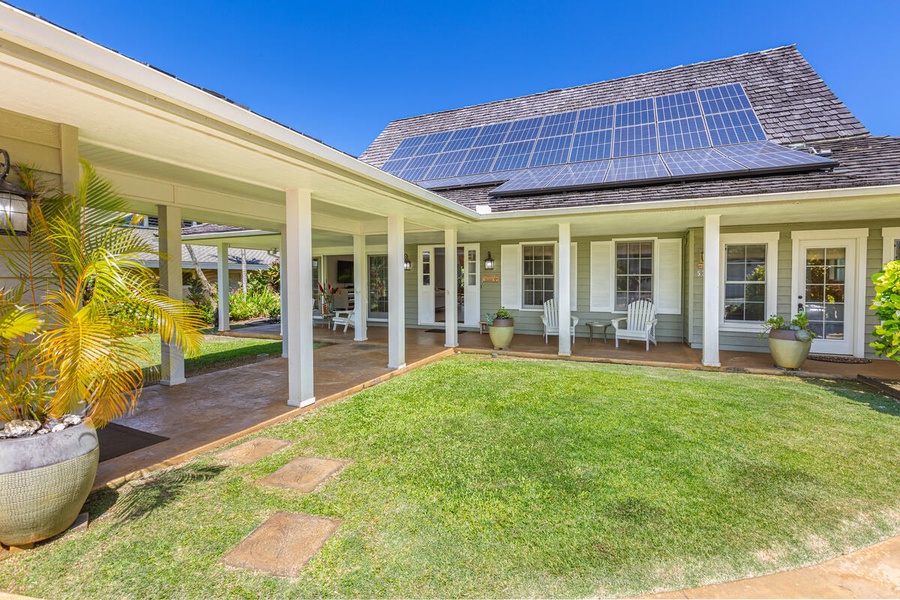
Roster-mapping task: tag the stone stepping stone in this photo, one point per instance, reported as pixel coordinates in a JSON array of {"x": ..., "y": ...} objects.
[
  {"x": 252, "y": 450},
  {"x": 283, "y": 544},
  {"x": 303, "y": 473}
]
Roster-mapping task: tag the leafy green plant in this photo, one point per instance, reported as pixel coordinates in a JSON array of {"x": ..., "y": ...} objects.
[
  {"x": 261, "y": 303},
  {"x": 799, "y": 324},
  {"x": 887, "y": 306},
  {"x": 501, "y": 313},
  {"x": 81, "y": 292}
]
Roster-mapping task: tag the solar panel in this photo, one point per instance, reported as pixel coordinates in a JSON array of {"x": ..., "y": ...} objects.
[
  {"x": 551, "y": 151},
  {"x": 767, "y": 156},
  {"x": 696, "y": 162},
  {"x": 688, "y": 134},
  {"x": 649, "y": 166}
]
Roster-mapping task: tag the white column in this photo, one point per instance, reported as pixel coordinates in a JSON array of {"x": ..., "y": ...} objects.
[
  {"x": 224, "y": 289},
  {"x": 711, "y": 291},
  {"x": 283, "y": 291},
  {"x": 451, "y": 271},
  {"x": 563, "y": 299},
  {"x": 299, "y": 275},
  {"x": 172, "y": 357},
  {"x": 396, "y": 295},
  {"x": 360, "y": 287}
]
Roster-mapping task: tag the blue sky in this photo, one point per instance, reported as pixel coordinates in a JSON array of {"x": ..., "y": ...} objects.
[{"x": 340, "y": 71}]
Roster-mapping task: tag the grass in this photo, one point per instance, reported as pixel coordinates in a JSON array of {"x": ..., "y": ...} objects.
[
  {"x": 216, "y": 352},
  {"x": 474, "y": 477}
]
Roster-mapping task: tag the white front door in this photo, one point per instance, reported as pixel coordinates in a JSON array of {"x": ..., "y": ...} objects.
[
  {"x": 471, "y": 276},
  {"x": 826, "y": 286},
  {"x": 425, "y": 276}
]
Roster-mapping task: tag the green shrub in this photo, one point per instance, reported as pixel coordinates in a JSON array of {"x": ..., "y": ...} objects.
[
  {"x": 887, "y": 306},
  {"x": 264, "y": 303}
]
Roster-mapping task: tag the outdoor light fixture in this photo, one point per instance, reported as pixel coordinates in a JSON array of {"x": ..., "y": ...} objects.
[
  {"x": 489, "y": 262},
  {"x": 700, "y": 266},
  {"x": 407, "y": 264},
  {"x": 13, "y": 202}
]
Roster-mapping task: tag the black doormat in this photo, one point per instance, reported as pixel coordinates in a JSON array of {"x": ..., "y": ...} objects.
[
  {"x": 837, "y": 358},
  {"x": 116, "y": 440}
]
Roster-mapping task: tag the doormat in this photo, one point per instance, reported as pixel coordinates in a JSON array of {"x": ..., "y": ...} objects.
[
  {"x": 116, "y": 440},
  {"x": 835, "y": 358},
  {"x": 442, "y": 331}
]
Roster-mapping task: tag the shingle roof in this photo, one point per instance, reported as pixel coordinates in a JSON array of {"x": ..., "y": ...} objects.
[
  {"x": 792, "y": 102},
  {"x": 205, "y": 228},
  {"x": 864, "y": 161},
  {"x": 206, "y": 255}
]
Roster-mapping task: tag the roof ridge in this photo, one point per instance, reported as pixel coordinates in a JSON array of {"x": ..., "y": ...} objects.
[{"x": 613, "y": 80}]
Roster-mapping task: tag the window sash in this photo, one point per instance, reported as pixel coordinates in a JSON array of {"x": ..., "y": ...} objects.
[
  {"x": 538, "y": 274},
  {"x": 745, "y": 283},
  {"x": 634, "y": 272}
]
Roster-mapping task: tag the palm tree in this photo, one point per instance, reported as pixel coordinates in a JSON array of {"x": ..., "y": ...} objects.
[{"x": 66, "y": 326}]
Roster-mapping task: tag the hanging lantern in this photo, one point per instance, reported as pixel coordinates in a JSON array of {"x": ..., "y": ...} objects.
[
  {"x": 489, "y": 262},
  {"x": 13, "y": 202}
]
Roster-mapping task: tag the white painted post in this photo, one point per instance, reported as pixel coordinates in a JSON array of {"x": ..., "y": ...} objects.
[
  {"x": 224, "y": 288},
  {"x": 283, "y": 292},
  {"x": 451, "y": 283},
  {"x": 711, "y": 291},
  {"x": 299, "y": 275},
  {"x": 172, "y": 356},
  {"x": 563, "y": 304},
  {"x": 396, "y": 296},
  {"x": 360, "y": 287}
]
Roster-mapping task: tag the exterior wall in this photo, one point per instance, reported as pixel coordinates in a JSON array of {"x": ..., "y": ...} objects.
[
  {"x": 748, "y": 341},
  {"x": 33, "y": 142},
  {"x": 671, "y": 328}
]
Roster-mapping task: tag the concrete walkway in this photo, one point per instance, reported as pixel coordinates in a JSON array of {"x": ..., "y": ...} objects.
[{"x": 872, "y": 572}]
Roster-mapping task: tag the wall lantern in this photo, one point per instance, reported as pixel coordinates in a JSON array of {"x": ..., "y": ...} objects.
[
  {"x": 13, "y": 202},
  {"x": 700, "y": 266},
  {"x": 489, "y": 262},
  {"x": 407, "y": 264}
]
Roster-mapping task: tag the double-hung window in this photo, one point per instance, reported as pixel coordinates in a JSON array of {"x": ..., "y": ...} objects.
[
  {"x": 538, "y": 277},
  {"x": 749, "y": 279},
  {"x": 891, "y": 243},
  {"x": 634, "y": 272}
]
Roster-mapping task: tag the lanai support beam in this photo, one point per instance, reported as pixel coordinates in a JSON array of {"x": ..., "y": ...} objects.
[
  {"x": 171, "y": 355},
  {"x": 224, "y": 287},
  {"x": 451, "y": 284},
  {"x": 360, "y": 287},
  {"x": 711, "y": 291},
  {"x": 396, "y": 294},
  {"x": 299, "y": 305},
  {"x": 283, "y": 291},
  {"x": 563, "y": 304}
]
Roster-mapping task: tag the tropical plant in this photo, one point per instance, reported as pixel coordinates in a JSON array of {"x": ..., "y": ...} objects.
[
  {"x": 887, "y": 306},
  {"x": 81, "y": 292},
  {"x": 501, "y": 313},
  {"x": 799, "y": 324}
]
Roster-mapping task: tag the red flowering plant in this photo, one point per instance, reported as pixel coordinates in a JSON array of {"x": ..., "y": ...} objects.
[{"x": 328, "y": 293}]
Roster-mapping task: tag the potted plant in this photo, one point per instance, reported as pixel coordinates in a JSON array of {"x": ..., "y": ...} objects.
[
  {"x": 500, "y": 328},
  {"x": 789, "y": 343},
  {"x": 328, "y": 293},
  {"x": 68, "y": 360}
]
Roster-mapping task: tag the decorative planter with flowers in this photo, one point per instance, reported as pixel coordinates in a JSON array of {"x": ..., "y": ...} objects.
[
  {"x": 500, "y": 328},
  {"x": 789, "y": 343}
]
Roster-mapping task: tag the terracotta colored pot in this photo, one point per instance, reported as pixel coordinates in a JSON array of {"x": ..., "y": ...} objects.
[
  {"x": 501, "y": 332},
  {"x": 44, "y": 481},
  {"x": 787, "y": 351}
]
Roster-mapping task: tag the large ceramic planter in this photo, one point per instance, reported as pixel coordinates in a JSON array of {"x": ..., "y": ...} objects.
[
  {"x": 44, "y": 481},
  {"x": 787, "y": 351},
  {"x": 501, "y": 332}
]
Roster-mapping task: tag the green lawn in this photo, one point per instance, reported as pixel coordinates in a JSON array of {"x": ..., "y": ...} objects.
[
  {"x": 476, "y": 477},
  {"x": 216, "y": 352}
]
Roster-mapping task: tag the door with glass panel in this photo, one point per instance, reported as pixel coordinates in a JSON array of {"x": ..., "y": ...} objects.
[{"x": 826, "y": 289}]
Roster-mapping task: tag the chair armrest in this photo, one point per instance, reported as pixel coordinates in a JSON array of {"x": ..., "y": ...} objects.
[
  {"x": 615, "y": 322},
  {"x": 652, "y": 323},
  {"x": 342, "y": 314},
  {"x": 544, "y": 320},
  {"x": 574, "y": 321}
]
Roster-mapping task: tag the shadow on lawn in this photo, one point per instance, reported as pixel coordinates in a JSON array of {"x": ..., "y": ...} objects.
[
  {"x": 857, "y": 392},
  {"x": 143, "y": 498}
]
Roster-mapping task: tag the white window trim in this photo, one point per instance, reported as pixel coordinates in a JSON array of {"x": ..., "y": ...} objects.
[
  {"x": 653, "y": 286},
  {"x": 770, "y": 238},
  {"x": 555, "y": 244},
  {"x": 891, "y": 235}
]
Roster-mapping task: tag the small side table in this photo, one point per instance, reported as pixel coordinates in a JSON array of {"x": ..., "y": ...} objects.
[
  {"x": 592, "y": 325},
  {"x": 482, "y": 327}
]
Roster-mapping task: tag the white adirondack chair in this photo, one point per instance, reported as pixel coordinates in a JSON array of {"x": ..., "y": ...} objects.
[
  {"x": 347, "y": 318},
  {"x": 550, "y": 318},
  {"x": 640, "y": 324}
]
